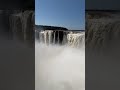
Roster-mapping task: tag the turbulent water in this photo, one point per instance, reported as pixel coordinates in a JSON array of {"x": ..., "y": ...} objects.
[{"x": 59, "y": 67}]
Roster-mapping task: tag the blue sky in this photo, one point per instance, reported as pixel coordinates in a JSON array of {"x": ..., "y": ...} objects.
[{"x": 65, "y": 13}]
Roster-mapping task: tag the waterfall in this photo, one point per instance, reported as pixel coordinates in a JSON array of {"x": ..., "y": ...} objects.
[
  {"x": 59, "y": 67},
  {"x": 101, "y": 31},
  {"x": 74, "y": 39},
  {"x": 58, "y": 38},
  {"x": 22, "y": 22},
  {"x": 54, "y": 38},
  {"x": 50, "y": 36},
  {"x": 59, "y": 60}
]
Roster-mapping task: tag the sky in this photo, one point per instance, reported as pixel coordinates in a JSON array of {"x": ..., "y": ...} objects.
[{"x": 64, "y": 13}]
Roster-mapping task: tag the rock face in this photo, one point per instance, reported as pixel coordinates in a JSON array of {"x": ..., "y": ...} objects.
[
  {"x": 22, "y": 23},
  {"x": 102, "y": 29}
]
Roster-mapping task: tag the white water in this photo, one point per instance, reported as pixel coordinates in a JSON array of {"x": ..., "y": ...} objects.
[
  {"x": 76, "y": 40},
  {"x": 59, "y": 67},
  {"x": 69, "y": 38}
]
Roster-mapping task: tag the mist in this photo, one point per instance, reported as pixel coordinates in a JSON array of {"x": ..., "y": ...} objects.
[{"x": 59, "y": 67}]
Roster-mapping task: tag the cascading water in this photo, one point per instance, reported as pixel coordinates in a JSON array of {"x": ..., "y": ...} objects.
[
  {"x": 101, "y": 30},
  {"x": 74, "y": 39},
  {"x": 22, "y": 23},
  {"x": 59, "y": 66}
]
